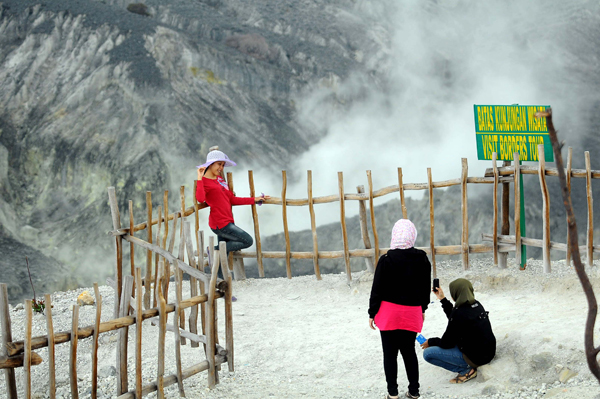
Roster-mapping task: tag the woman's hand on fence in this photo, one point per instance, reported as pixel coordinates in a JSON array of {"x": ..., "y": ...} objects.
[
  {"x": 372, "y": 324},
  {"x": 259, "y": 200},
  {"x": 439, "y": 293},
  {"x": 201, "y": 172}
]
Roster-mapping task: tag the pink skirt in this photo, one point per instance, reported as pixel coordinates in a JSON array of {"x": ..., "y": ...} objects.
[{"x": 392, "y": 316}]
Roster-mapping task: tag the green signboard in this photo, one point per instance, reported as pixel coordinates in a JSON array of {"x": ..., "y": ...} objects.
[{"x": 506, "y": 129}]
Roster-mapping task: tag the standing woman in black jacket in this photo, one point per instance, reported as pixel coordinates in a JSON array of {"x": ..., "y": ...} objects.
[
  {"x": 468, "y": 341},
  {"x": 399, "y": 297}
]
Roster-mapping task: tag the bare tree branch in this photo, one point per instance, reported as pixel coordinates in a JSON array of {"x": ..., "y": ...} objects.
[{"x": 591, "y": 352}]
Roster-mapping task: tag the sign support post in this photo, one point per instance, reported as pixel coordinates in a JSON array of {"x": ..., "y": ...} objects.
[{"x": 522, "y": 223}]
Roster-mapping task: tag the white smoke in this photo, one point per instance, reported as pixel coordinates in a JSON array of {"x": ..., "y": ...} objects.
[{"x": 411, "y": 106}]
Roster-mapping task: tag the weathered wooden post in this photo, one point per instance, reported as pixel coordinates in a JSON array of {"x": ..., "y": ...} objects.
[
  {"x": 568, "y": 255},
  {"x": 122, "y": 381},
  {"x": 51, "y": 352},
  {"x": 364, "y": 232},
  {"x": 73, "y": 352},
  {"x": 313, "y": 224},
  {"x": 505, "y": 227},
  {"x": 343, "y": 224},
  {"x": 373, "y": 224},
  {"x": 431, "y": 222},
  {"x": 465, "y": 215},
  {"x": 97, "y": 334},
  {"x": 517, "y": 209},
  {"x": 288, "y": 266},
  {"x": 148, "y": 252},
  {"x": 401, "y": 191},
  {"x": 590, "y": 204},
  {"x": 27, "y": 349},
  {"x": 9, "y": 373},
  {"x": 261, "y": 268},
  {"x": 545, "y": 209},
  {"x": 116, "y": 219}
]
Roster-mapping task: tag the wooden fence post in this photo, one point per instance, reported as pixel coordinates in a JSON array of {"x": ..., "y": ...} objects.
[
  {"x": 545, "y": 209},
  {"x": 27, "y": 351},
  {"x": 162, "y": 331},
  {"x": 465, "y": 215},
  {"x": 495, "y": 204},
  {"x": 343, "y": 223},
  {"x": 590, "y": 203},
  {"x": 228, "y": 308},
  {"x": 431, "y": 222},
  {"x": 517, "y": 190},
  {"x": 116, "y": 219},
  {"x": 313, "y": 224},
  {"x": 156, "y": 255},
  {"x": 131, "y": 246},
  {"x": 51, "y": 352},
  {"x": 148, "y": 253},
  {"x": 210, "y": 319},
  {"x": 364, "y": 232},
  {"x": 568, "y": 255},
  {"x": 505, "y": 227},
  {"x": 288, "y": 266},
  {"x": 401, "y": 190},
  {"x": 73, "y": 352},
  {"x": 122, "y": 382},
  {"x": 193, "y": 320},
  {"x": 97, "y": 334},
  {"x": 9, "y": 374},
  {"x": 259, "y": 261},
  {"x": 373, "y": 224},
  {"x": 138, "y": 329}
]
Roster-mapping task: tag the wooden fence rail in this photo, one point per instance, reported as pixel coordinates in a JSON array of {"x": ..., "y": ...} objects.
[{"x": 505, "y": 175}]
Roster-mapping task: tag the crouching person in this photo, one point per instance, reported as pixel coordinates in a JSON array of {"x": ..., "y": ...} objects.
[{"x": 468, "y": 341}]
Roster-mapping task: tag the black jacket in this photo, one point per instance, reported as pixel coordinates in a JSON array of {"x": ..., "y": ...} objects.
[
  {"x": 470, "y": 329},
  {"x": 403, "y": 277}
]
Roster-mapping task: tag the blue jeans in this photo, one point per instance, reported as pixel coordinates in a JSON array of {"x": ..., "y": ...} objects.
[
  {"x": 234, "y": 237},
  {"x": 450, "y": 359}
]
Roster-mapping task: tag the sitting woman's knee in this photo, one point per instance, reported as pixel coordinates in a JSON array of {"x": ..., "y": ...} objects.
[{"x": 428, "y": 354}]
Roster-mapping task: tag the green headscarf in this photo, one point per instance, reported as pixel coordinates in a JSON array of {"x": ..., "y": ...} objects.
[{"x": 462, "y": 292}]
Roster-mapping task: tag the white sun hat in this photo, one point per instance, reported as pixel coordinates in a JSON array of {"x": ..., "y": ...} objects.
[{"x": 216, "y": 156}]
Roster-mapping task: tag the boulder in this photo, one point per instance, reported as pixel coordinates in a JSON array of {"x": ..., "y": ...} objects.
[{"x": 85, "y": 298}]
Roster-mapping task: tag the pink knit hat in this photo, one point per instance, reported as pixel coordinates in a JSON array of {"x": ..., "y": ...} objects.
[{"x": 404, "y": 235}]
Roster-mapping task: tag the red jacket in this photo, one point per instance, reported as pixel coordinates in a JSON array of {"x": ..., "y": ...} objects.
[{"x": 216, "y": 194}]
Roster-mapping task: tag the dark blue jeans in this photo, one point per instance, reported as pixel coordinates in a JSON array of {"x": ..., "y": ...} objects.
[
  {"x": 450, "y": 359},
  {"x": 235, "y": 237}
]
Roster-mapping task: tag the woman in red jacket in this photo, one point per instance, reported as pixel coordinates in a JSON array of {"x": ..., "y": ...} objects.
[{"x": 213, "y": 190}]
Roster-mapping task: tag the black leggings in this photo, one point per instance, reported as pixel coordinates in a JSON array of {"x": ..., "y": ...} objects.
[{"x": 403, "y": 341}]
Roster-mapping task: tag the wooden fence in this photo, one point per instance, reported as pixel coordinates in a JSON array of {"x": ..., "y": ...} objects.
[
  {"x": 159, "y": 249},
  {"x": 130, "y": 302},
  {"x": 499, "y": 241}
]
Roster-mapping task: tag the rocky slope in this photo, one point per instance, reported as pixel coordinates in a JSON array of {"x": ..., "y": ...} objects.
[
  {"x": 98, "y": 93},
  {"x": 93, "y": 95}
]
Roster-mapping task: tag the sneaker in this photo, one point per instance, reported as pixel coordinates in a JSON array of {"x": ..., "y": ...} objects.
[{"x": 409, "y": 395}]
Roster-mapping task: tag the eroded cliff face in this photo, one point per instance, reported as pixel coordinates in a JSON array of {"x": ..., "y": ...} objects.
[{"x": 92, "y": 95}]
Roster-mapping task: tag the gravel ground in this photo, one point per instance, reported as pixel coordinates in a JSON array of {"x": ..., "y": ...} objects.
[{"x": 310, "y": 339}]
